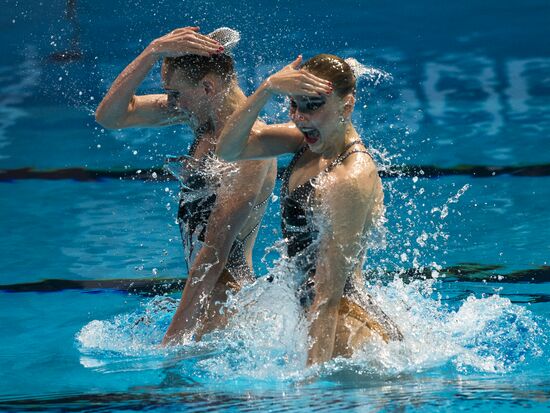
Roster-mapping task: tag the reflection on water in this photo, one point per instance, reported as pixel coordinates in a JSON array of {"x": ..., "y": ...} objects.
[
  {"x": 451, "y": 103},
  {"x": 105, "y": 224},
  {"x": 17, "y": 82},
  {"x": 477, "y": 90}
]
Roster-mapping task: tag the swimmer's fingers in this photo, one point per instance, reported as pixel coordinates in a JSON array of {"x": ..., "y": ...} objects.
[
  {"x": 292, "y": 81},
  {"x": 296, "y": 63},
  {"x": 295, "y": 66},
  {"x": 310, "y": 90},
  {"x": 293, "y": 84},
  {"x": 207, "y": 39},
  {"x": 312, "y": 84},
  {"x": 188, "y": 35},
  {"x": 182, "y": 48},
  {"x": 210, "y": 45},
  {"x": 184, "y": 41},
  {"x": 188, "y": 28},
  {"x": 201, "y": 49},
  {"x": 313, "y": 78},
  {"x": 317, "y": 81}
]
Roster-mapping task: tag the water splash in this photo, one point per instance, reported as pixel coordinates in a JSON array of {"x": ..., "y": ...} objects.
[
  {"x": 132, "y": 333},
  {"x": 266, "y": 341},
  {"x": 487, "y": 334},
  {"x": 227, "y": 37},
  {"x": 444, "y": 210},
  {"x": 373, "y": 75}
]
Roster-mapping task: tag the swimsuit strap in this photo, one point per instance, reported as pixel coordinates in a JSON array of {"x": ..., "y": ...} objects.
[
  {"x": 298, "y": 155},
  {"x": 261, "y": 204},
  {"x": 288, "y": 171},
  {"x": 245, "y": 238},
  {"x": 254, "y": 208},
  {"x": 343, "y": 155},
  {"x": 199, "y": 133}
]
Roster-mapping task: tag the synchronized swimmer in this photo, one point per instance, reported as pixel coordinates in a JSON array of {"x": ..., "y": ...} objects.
[
  {"x": 331, "y": 197},
  {"x": 331, "y": 179},
  {"x": 219, "y": 227}
]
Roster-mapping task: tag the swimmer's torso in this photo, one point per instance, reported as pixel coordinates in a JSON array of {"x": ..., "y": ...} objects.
[
  {"x": 197, "y": 200},
  {"x": 300, "y": 227},
  {"x": 301, "y": 216}
]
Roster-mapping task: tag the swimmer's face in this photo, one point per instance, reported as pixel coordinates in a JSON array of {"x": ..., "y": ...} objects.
[
  {"x": 319, "y": 117},
  {"x": 183, "y": 95}
]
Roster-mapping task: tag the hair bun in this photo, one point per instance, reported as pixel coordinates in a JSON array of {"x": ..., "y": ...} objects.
[{"x": 227, "y": 37}]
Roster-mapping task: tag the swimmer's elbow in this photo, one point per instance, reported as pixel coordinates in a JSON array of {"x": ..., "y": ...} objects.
[
  {"x": 102, "y": 118},
  {"x": 109, "y": 118},
  {"x": 105, "y": 121}
]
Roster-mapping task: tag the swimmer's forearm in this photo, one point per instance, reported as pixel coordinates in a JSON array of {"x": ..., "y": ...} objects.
[
  {"x": 193, "y": 305},
  {"x": 117, "y": 103},
  {"x": 203, "y": 276},
  {"x": 235, "y": 134},
  {"x": 322, "y": 332}
]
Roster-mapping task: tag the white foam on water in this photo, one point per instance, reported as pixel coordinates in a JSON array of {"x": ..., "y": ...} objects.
[
  {"x": 371, "y": 74},
  {"x": 129, "y": 334},
  {"x": 487, "y": 334},
  {"x": 266, "y": 340}
]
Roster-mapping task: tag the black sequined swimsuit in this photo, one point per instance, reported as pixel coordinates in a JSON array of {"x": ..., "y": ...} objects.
[
  {"x": 298, "y": 227},
  {"x": 193, "y": 215},
  {"x": 300, "y": 232}
]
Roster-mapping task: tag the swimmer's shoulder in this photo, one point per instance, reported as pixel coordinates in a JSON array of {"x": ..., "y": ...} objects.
[
  {"x": 358, "y": 163},
  {"x": 358, "y": 176}
]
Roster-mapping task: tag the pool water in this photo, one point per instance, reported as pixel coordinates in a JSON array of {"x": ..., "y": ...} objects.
[{"x": 91, "y": 256}]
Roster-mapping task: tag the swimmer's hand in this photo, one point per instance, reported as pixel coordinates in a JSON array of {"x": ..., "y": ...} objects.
[
  {"x": 293, "y": 81},
  {"x": 183, "y": 41}
]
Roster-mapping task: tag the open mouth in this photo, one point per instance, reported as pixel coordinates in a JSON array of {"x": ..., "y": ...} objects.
[{"x": 311, "y": 135}]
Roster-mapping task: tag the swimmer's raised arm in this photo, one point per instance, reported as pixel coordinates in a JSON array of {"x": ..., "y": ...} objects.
[
  {"x": 121, "y": 108},
  {"x": 245, "y": 138}
]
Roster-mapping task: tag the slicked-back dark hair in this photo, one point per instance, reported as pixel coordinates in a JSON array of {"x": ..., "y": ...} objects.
[
  {"x": 195, "y": 67},
  {"x": 334, "y": 69}
]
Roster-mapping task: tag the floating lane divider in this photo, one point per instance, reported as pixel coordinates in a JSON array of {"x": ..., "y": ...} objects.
[
  {"x": 158, "y": 173},
  {"x": 465, "y": 272},
  {"x": 140, "y": 286}
]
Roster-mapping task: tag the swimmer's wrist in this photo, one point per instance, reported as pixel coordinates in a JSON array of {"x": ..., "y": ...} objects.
[
  {"x": 153, "y": 50},
  {"x": 267, "y": 87}
]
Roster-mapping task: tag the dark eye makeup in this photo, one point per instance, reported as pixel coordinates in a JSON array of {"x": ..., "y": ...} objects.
[{"x": 307, "y": 104}]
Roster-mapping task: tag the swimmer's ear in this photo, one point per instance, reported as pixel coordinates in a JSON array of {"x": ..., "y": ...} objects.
[{"x": 208, "y": 86}]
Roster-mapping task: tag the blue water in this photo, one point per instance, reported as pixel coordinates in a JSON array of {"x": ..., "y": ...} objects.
[{"x": 465, "y": 266}]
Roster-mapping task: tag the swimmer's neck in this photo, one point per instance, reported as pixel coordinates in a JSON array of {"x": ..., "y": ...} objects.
[
  {"x": 223, "y": 106},
  {"x": 338, "y": 141}
]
